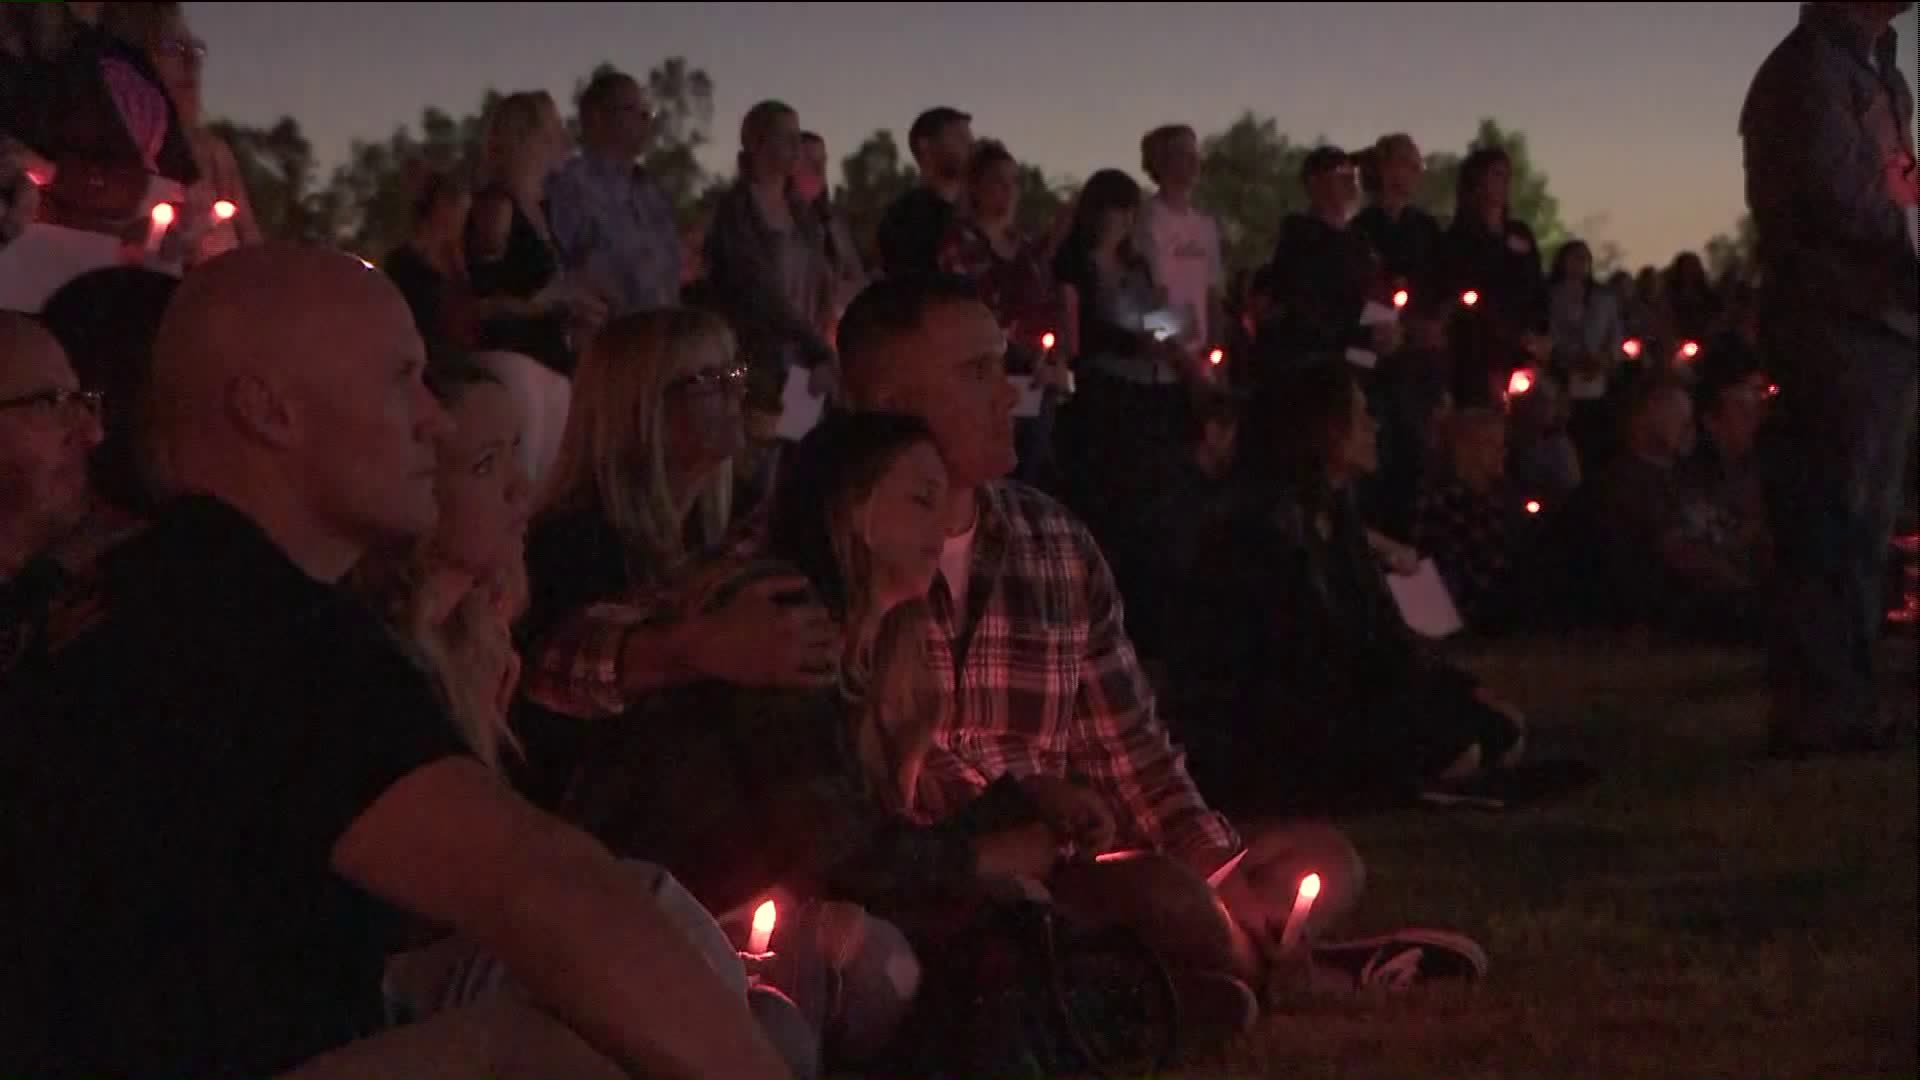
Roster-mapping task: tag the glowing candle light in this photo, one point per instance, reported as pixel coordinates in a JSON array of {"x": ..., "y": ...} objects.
[
  {"x": 764, "y": 917},
  {"x": 1400, "y": 298},
  {"x": 1773, "y": 389},
  {"x": 1533, "y": 506},
  {"x": 1689, "y": 349},
  {"x": 1470, "y": 297},
  {"x": 1631, "y": 347},
  {"x": 223, "y": 210},
  {"x": 1302, "y": 904},
  {"x": 163, "y": 214},
  {"x": 1520, "y": 382},
  {"x": 1047, "y": 339},
  {"x": 1216, "y": 357}
]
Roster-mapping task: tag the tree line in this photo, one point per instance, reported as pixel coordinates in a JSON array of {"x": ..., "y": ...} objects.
[{"x": 1250, "y": 179}]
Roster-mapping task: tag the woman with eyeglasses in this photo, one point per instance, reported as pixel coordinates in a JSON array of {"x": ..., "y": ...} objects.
[
  {"x": 178, "y": 57},
  {"x": 641, "y": 491}
]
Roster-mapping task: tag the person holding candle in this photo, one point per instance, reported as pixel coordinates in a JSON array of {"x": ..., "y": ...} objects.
[{"x": 744, "y": 791}]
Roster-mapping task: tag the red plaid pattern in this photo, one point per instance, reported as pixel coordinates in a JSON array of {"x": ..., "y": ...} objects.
[
  {"x": 1047, "y": 681},
  {"x": 574, "y": 669}
]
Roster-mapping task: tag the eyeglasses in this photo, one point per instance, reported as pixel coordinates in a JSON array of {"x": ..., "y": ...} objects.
[
  {"x": 52, "y": 400},
  {"x": 711, "y": 380},
  {"x": 183, "y": 48}
]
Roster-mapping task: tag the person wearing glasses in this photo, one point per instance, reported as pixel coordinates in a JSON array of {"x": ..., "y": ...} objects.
[
  {"x": 178, "y": 57},
  {"x": 48, "y": 426},
  {"x": 640, "y": 497},
  {"x": 611, "y": 222}
]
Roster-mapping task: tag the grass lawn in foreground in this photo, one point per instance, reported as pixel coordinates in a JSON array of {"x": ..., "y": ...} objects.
[{"x": 1701, "y": 912}]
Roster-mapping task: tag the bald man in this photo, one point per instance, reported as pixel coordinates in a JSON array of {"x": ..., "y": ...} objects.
[{"x": 242, "y": 792}]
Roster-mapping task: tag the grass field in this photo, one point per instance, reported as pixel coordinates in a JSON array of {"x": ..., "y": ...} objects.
[{"x": 1701, "y": 912}]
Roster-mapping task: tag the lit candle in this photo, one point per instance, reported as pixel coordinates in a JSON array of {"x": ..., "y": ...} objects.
[
  {"x": 1533, "y": 506},
  {"x": 1047, "y": 339},
  {"x": 764, "y": 917},
  {"x": 1216, "y": 357},
  {"x": 1470, "y": 297},
  {"x": 1689, "y": 349},
  {"x": 1520, "y": 382},
  {"x": 1400, "y": 298},
  {"x": 224, "y": 210},
  {"x": 1631, "y": 347},
  {"x": 1302, "y": 904}
]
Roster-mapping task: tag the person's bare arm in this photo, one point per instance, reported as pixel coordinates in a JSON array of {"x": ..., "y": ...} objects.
[{"x": 577, "y": 928}]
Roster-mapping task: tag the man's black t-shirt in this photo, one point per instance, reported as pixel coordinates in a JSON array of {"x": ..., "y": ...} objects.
[
  {"x": 178, "y": 778},
  {"x": 1409, "y": 250},
  {"x": 911, "y": 232}
]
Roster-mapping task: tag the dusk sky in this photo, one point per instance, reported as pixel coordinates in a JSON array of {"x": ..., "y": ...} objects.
[{"x": 1631, "y": 108}]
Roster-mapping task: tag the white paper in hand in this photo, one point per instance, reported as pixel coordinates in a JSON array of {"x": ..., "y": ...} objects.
[
  {"x": 1031, "y": 393},
  {"x": 1377, "y": 313},
  {"x": 800, "y": 407},
  {"x": 1425, "y": 603}
]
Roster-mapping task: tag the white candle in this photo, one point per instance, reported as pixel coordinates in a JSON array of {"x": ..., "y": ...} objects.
[
  {"x": 761, "y": 936},
  {"x": 1302, "y": 904}
]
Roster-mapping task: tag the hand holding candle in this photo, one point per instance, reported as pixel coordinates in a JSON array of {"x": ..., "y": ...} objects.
[{"x": 1303, "y": 899}]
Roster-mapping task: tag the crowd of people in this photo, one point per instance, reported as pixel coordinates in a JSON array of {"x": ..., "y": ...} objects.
[{"x": 454, "y": 669}]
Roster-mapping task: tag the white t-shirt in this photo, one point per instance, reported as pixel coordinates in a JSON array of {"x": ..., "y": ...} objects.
[
  {"x": 956, "y": 565},
  {"x": 1183, "y": 249}
]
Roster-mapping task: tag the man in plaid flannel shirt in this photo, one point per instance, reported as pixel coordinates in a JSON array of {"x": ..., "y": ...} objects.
[{"x": 1030, "y": 636}]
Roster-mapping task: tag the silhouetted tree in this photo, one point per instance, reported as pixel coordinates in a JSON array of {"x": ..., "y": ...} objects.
[{"x": 871, "y": 178}]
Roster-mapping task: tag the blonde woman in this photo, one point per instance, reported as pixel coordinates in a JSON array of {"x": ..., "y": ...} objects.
[
  {"x": 641, "y": 489},
  {"x": 454, "y": 596},
  {"x": 811, "y": 796},
  {"x": 510, "y": 252}
]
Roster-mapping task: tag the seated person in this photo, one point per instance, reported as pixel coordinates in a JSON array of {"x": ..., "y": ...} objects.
[
  {"x": 1038, "y": 677},
  {"x": 1542, "y": 461},
  {"x": 641, "y": 489},
  {"x": 1723, "y": 472},
  {"x": 453, "y": 598},
  {"x": 741, "y": 790},
  {"x": 1191, "y": 491},
  {"x": 281, "y": 788},
  {"x": 1466, "y": 517},
  {"x": 1668, "y": 559},
  {"x": 1324, "y": 696},
  {"x": 48, "y": 426}
]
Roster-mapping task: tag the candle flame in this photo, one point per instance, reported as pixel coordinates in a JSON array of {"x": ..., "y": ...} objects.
[
  {"x": 1520, "y": 382},
  {"x": 764, "y": 917},
  {"x": 1689, "y": 349},
  {"x": 163, "y": 214},
  {"x": 1631, "y": 347},
  {"x": 1400, "y": 298},
  {"x": 1533, "y": 506},
  {"x": 223, "y": 210},
  {"x": 1470, "y": 297},
  {"x": 1047, "y": 339},
  {"x": 1216, "y": 356},
  {"x": 1310, "y": 886}
]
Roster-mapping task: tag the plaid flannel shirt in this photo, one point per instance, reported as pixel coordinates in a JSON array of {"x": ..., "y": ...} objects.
[
  {"x": 1045, "y": 681},
  {"x": 573, "y": 668}
]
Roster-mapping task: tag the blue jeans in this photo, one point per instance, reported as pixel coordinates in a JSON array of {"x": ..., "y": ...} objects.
[
  {"x": 454, "y": 973},
  {"x": 1834, "y": 453}
]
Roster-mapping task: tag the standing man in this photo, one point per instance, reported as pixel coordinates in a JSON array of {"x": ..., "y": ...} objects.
[
  {"x": 611, "y": 222},
  {"x": 941, "y": 140},
  {"x": 1182, "y": 242},
  {"x": 1828, "y": 132}
]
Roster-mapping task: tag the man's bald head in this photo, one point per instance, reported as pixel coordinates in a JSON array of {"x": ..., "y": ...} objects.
[
  {"x": 47, "y": 430},
  {"x": 287, "y": 381}
]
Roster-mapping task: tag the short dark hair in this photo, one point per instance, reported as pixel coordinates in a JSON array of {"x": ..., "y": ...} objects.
[
  {"x": 934, "y": 123},
  {"x": 1473, "y": 175},
  {"x": 106, "y": 320},
  {"x": 1323, "y": 159},
  {"x": 889, "y": 309},
  {"x": 597, "y": 98},
  {"x": 1154, "y": 144},
  {"x": 986, "y": 154}
]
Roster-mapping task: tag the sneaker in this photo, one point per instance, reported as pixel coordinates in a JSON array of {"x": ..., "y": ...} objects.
[
  {"x": 1214, "y": 1008},
  {"x": 1400, "y": 961}
]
